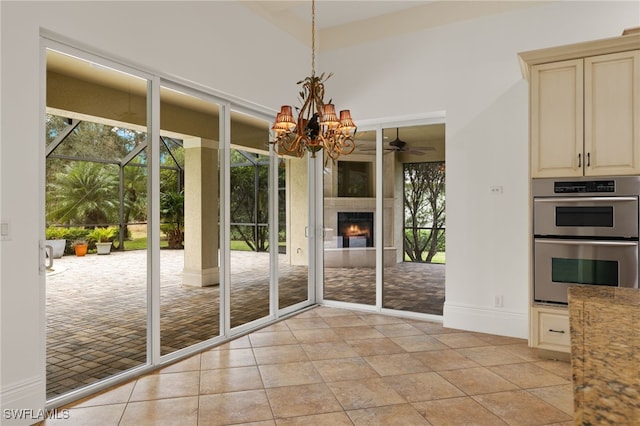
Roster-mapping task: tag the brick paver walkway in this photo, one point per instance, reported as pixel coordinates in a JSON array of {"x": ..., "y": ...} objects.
[{"x": 97, "y": 306}]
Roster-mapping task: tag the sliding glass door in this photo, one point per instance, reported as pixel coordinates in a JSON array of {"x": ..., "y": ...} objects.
[
  {"x": 349, "y": 216},
  {"x": 414, "y": 219},
  {"x": 189, "y": 225},
  {"x": 384, "y": 222},
  {"x": 206, "y": 229},
  {"x": 250, "y": 244},
  {"x": 293, "y": 228},
  {"x": 96, "y": 211}
]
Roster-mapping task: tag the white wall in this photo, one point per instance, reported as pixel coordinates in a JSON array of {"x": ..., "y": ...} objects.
[{"x": 471, "y": 71}]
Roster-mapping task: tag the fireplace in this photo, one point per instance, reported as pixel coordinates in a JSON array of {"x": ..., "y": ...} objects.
[{"x": 355, "y": 229}]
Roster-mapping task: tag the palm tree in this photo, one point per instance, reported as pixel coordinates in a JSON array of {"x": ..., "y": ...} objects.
[
  {"x": 135, "y": 195},
  {"x": 83, "y": 193},
  {"x": 172, "y": 211}
]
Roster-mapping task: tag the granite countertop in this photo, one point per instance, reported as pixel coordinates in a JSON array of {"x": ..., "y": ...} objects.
[
  {"x": 618, "y": 295},
  {"x": 605, "y": 354}
]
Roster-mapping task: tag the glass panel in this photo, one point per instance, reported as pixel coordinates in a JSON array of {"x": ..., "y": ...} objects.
[
  {"x": 414, "y": 221},
  {"x": 585, "y": 216},
  {"x": 96, "y": 303},
  {"x": 189, "y": 200},
  {"x": 349, "y": 223},
  {"x": 585, "y": 271},
  {"x": 249, "y": 257},
  {"x": 293, "y": 247}
]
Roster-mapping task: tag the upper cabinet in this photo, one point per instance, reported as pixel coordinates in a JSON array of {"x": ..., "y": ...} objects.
[
  {"x": 556, "y": 119},
  {"x": 612, "y": 114},
  {"x": 585, "y": 108}
]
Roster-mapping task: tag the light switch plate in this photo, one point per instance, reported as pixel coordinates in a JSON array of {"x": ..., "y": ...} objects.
[{"x": 4, "y": 231}]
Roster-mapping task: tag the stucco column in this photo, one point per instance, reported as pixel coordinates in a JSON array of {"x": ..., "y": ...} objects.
[{"x": 201, "y": 194}]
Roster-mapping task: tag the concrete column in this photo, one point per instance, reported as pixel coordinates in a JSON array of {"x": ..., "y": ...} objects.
[{"x": 201, "y": 237}]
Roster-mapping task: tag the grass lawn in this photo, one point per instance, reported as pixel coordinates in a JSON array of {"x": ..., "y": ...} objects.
[
  {"x": 439, "y": 257},
  {"x": 140, "y": 244}
]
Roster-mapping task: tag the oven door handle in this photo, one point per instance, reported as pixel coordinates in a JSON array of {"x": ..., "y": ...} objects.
[
  {"x": 581, "y": 199},
  {"x": 586, "y": 242}
]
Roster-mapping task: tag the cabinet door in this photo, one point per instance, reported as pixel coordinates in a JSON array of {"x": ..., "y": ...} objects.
[
  {"x": 612, "y": 114},
  {"x": 550, "y": 329},
  {"x": 557, "y": 119}
]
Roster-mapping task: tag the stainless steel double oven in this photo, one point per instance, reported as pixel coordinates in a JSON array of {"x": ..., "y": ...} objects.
[{"x": 585, "y": 231}]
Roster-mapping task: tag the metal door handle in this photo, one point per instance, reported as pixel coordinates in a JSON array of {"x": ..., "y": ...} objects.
[
  {"x": 563, "y": 242},
  {"x": 551, "y": 330},
  {"x": 579, "y": 160},
  {"x": 49, "y": 253},
  {"x": 607, "y": 200},
  {"x": 588, "y": 159}
]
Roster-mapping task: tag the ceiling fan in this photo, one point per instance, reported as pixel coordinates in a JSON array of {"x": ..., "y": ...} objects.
[{"x": 399, "y": 145}]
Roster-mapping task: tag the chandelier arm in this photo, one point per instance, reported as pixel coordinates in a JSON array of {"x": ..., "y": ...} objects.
[
  {"x": 313, "y": 38},
  {"x": 349, "y": 144}
]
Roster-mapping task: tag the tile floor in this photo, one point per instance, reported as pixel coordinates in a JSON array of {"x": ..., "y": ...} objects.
[{"x": 331, "y": 366}]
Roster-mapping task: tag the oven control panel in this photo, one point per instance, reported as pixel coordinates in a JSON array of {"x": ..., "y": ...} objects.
[{"x": 586, "y": 186}]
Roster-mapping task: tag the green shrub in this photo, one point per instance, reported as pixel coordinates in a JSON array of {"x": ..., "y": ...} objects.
[
  {"x": 55, "y": 233},
  {"x": 102, "y": 235}
]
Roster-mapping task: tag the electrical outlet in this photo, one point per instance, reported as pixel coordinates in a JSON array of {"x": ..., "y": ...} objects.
[{"x": 497, "y": 302}]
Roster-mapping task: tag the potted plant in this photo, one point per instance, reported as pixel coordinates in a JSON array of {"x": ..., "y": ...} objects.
[
  {"x": 80, "y": 247},
  {"x": 55, "y": 237},
  {"x": 103, "y": 238}
]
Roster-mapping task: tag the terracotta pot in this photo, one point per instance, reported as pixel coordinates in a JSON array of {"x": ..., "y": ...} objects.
[{"x": 81, "y": 249}]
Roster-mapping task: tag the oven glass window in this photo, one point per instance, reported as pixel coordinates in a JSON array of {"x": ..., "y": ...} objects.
[
  {"x": 585, "y": 271},
  {"x": 585, "y": 216}
]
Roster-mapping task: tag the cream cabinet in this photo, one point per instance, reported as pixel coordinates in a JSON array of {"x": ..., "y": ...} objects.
[
  {"x": 550, "y": 329},
  {"x": 585, "y": 116}
]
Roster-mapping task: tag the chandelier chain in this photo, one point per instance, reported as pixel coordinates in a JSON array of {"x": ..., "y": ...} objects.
[{"x": 313, "y": 38}]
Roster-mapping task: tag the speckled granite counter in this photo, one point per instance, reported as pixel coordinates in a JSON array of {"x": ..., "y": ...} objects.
[{"x": 605, "y": 354}]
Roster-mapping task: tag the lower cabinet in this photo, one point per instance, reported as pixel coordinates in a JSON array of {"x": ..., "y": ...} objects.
[{"x": 550, "y": 329}]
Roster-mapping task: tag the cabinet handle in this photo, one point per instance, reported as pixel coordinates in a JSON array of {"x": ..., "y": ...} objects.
[
  {"x": 551, "y": 330},
  {"x": 588, "y": 159},
  {"x": 579, "y": 160}
]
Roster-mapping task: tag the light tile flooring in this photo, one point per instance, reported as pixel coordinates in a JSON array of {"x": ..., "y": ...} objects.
[{"x": 331, "y": 366}]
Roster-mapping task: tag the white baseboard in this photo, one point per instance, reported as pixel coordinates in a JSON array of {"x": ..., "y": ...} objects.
[
  {"x": 486, "y": 320},
  {"x": 23, "y": 402}
]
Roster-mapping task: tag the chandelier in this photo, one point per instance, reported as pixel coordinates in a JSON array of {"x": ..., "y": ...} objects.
[{"x": 317, "y": 126}]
